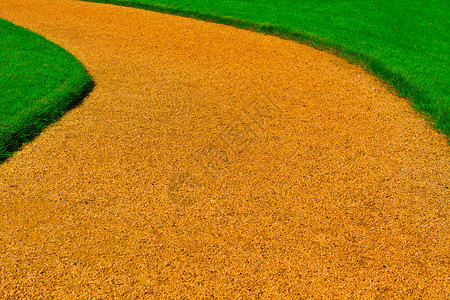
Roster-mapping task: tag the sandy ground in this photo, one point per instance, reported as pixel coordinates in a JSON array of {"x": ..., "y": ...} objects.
[{"x": 211, "y": 161}]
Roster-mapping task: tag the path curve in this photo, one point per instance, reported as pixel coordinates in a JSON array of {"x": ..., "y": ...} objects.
[{"x": 212, "y": 161}]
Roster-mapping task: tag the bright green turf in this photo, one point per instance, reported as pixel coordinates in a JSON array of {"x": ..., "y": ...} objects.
[
  {"x": 405, "y": 43},
  {"x": 39, "y": 81}
]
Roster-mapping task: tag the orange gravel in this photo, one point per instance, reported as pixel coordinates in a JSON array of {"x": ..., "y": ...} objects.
[{"x": 212, "y": 161}]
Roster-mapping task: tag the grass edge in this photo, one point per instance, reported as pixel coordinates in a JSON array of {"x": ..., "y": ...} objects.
[
  {"x": 30, "y": 123},
  {"x": 418, "y": 98}
]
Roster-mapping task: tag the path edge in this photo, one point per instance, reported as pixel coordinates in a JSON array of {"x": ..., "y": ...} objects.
[
  {"x": 32, "y": 122},
  {"x": 417, "y": 97}
]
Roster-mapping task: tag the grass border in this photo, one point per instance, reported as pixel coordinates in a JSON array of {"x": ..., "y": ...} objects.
[
  {"x": 36, "y": 120},
  {"x": 46, "y": 110},
  {"x": 418, "y": 98}
]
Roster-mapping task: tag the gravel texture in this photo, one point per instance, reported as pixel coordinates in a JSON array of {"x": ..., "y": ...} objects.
[{"x": 212, "y": 161}]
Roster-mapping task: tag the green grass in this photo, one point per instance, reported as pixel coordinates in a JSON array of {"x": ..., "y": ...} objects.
[
  {"x": 39, "y": 82},
  {"x": 404, "y": 43}
]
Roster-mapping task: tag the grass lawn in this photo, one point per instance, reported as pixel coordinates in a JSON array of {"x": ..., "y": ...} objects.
[
  {"x": 39, "y": 81},
  {"x": 405, "y": 43}
]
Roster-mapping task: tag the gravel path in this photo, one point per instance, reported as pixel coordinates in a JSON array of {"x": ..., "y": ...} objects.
[{"x": 211, "y": 161}]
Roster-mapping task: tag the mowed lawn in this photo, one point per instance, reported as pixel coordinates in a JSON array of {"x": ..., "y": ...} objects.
[
  {"x": 405, "y": 43},
  {"x": 39, "y": 81}
]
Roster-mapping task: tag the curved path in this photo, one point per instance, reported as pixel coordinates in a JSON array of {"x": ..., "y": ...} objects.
[{"x": 211, "y": 161}]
